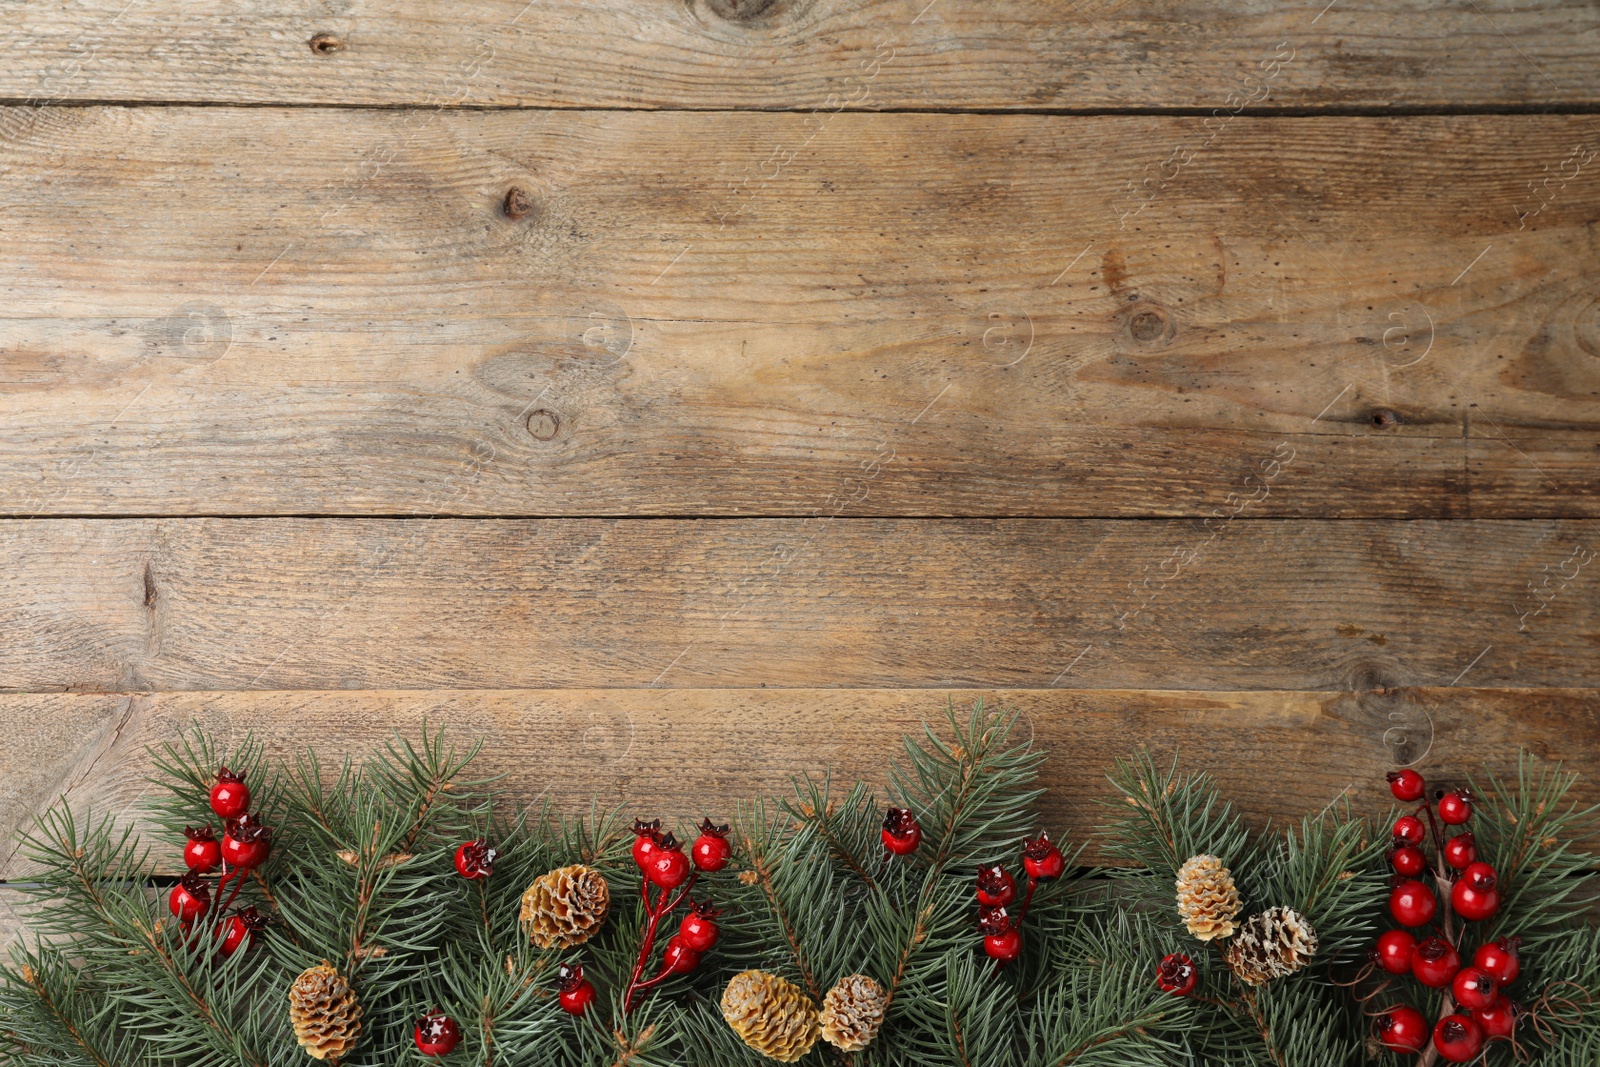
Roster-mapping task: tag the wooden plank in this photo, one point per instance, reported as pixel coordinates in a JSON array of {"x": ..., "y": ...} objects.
[
  {"x": 628, "y": 746},
  {"x": 328, "y": 312},
  {"x": 204, "y": 604},
  {"x": 808, "y": 54}
]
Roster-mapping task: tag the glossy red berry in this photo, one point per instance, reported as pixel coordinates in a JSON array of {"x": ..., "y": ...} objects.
[
  {"x": 1408, "y": 830},
  {"x": 1435, "y": 962},
  {"x": 190, "y": 899},
  {"x": 1393, "y": 951},
  {"x": 1500, "y": 959},
  {"x": 1458, "y": 1038},
  {"x": 1474, "y": 988},
  {"x": 679, "y": 958},
  {"x": 1177, "y": 974},
  {"x": 1475, "y": 896},
  {"x": 1408, "y": 860},
  {"x": 901, "y": 834},
  {"x": 241, "y": 930},
  {"x": 711, "y": 850},
  {"x": 436, "y": 1034},
  {"x": 475, "y": 860},
  {"x": 1406, "y": 784},
  {"x": 1412, "y": 903},
  {"x": 996, "y": 887},
  {"x": 1004, "y": 946},
  {"x": 246, "y": 842},
  {"x": 1042, "y": 859},
  {"x": 203, "y": 853},
  {"x": 668, "y": 866},
  {"x": 1403, "y": 1029},
  {"x": 576, "y": 992},
  {"x": 1498, "y": 1020},
  {"x": 645, "y": 836},
  {"x": 699, "y": 928},
  {"x": 230, "y": 797},
  {"x": 1456, "y": 808},
  {"x": 1461, "y": 851}
]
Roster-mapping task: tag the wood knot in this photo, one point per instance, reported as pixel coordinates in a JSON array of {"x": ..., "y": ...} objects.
[
  {"x": 1383, "y": 418},
  {"x": 326, "y": 44},
  {"x": 1149, "y": 323},
  {"x": 740, "y": 10},
  {"x": 518, "y": 203},
  {"x": 543, "y": 424}
]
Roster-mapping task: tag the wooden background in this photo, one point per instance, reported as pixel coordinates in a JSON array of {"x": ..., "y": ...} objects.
[{"x": 683, "y": 394}]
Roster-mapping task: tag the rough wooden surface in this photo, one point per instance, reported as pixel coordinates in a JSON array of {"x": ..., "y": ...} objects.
[
  {"x": 199, "y": 604},
  {"x": 630, "y": 746},
  {"x": 805, "y": 53},
  {"x": 262, "y": 311}
]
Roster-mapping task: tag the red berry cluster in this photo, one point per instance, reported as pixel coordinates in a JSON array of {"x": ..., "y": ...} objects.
[
  {"x": 997, "y": 889},
  {"x": 662, "y": 863},
  {"x": 1475, "y": 1007},
  {"x": 244, "y": 847}
]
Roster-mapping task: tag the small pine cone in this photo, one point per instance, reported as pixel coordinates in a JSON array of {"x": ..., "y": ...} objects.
[
  {"x": 852, "y": 1012},
  {"x": 1207, "y": 900},
  {"x": 565, "y": 907},
  {"x": 771, "y": 1015},
  {"x": 1276, "y": 943},
  {"x": 325, "y": 1013}
]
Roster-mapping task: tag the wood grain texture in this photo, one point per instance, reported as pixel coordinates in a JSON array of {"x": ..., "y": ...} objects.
[
  {"x": 628, "y": 746},
  {"x": 804, "y": 53},
  {"x": 328, "y": 312},
  {"x": 206, "y": 604}
]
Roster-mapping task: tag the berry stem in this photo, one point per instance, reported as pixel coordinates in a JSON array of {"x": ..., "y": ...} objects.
[
  {"x": 1027, "y": 898},
  {"x": 654, "y": 913}
]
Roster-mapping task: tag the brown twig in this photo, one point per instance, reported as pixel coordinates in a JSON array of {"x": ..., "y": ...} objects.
[{"x": 32, "y": 978}]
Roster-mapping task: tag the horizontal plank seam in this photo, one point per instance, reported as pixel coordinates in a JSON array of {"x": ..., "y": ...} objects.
[{"x": 794, "y": 516}]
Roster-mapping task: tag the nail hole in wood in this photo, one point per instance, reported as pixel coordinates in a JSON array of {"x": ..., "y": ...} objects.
[
  {"x": 517, "y": 204},
  {"x": 326, "y": 44},
  {"x": 1383, "y": 418}
]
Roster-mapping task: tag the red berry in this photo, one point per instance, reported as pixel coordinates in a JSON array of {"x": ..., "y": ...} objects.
[
  {"x": 1461, "y": 851},
  {"x": 1474, "y": 988},
  {"x": 1406, "y": 784},
  {"x": 1499, "y": 959},
  {"x": 475, "y": 860},
  {"x": 1408, "y": 860},
  {"x": 1393, "y": 951},
  {"x": 1042, "y": 859},
  {"x": 1408, "y": 829},
  {"x": 1499, "y": 1020},
  {"x": 246, "y": 842},
  {"x": 202, "y": 854},
  {"x": 1412, "y": 903},
  {"x": 230, "y": 797},
  {"x": 1456, "y": 808},
  {"x": 1475, "y": 896},
  {"x": 1435, "y": 962},
  {"x": 190, "y": 899},
  {"x": 646, "y": 834},
  {"x": 668, "y": 865},
  {"x": 711, "y": 850},
  {"x": 1177, "y": 974},
  {"x": 679, "y": 958},
  {"x": 996, "y": 887},
  {"x": 1403, "y": 1029},
  {"x": 699, "y": 928},
  {"x": 576, "y": 991},
  {"x": 1004, "y": 946},
  {"x": 437, "y": 1034},
  {"x": 901, "y": 834},
  {"x": 241, "y": 930},
  {"x": 1458, "y": 1038}
]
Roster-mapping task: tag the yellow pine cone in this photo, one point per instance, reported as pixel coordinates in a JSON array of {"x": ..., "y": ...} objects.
[
  {"x": 1208, "y": 902},
  {"x": 1274, "y": 944},
  {"x": 771, "y": 1015},
  {"x": 566, "y": 907},
  {"x": 325, "y": 1013},
  {"x": 852, "y": 1012}
]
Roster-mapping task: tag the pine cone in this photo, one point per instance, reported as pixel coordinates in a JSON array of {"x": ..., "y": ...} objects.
[
  {"x": 1276, "y": 943},
  {"x": 325, "y": 1013},
  {"x": 852, "y": 1012},
  {"x": 566, "y": 907},
  {"x": 1207, "y": 900},
  {"x": 771, "y": 1015}
]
